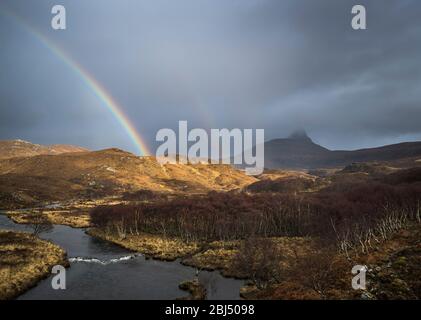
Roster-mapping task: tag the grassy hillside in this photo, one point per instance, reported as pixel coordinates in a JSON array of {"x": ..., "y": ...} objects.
[
  {"x": 28, "y": 180},
  {"x": 24, "y": 260}
]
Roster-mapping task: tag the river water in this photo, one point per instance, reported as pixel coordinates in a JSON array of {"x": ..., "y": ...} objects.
[{"x": 102, "y": 270}]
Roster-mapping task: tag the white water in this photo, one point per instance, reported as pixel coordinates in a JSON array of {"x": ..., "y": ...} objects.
[{"x": 102, "y": 262}]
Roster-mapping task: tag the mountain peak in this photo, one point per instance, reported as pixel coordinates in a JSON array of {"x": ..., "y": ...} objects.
[{"x": 299, "y": 135}]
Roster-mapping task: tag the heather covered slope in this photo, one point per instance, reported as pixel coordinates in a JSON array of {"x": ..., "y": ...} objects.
[{"x": 107, "y": 172}]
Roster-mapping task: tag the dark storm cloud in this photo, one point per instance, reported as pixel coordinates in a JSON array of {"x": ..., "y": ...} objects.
[{"x": 277, "y": 65}]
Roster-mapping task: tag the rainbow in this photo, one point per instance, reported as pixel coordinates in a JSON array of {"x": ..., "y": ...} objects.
[{"x": 98, "y": 90}]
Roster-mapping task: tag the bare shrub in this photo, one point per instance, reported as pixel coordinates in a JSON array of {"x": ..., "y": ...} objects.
[
  {"x": 40, "y": 223},
  {"x": 348, "y": 215},
  {"x": 259, "y": 260},
  {"x": 319, "y": 271},
  {"x": 216, "y": 216}
]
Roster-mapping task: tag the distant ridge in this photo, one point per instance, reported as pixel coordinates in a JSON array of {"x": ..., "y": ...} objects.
[
  {"x": 298, "y": 151},
  {"x": 21, "y": 148}
]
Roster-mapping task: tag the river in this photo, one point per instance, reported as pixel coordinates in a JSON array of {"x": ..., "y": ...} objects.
[{"x": 102, "y": 270}]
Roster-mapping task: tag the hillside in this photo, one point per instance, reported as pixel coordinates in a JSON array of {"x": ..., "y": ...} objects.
[
  {"x": 20, "y": 148},
  {"x": 26, "y": 180},
  {"x": 300, "y": 152}
]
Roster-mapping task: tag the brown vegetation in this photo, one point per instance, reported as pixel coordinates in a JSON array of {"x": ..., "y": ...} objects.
[
  {"x": 286, "y": 185},
  {"x": 195, "y": 288},
  {"x": 351, "y": 215},
  {"x": 64, "y": 217},
  {"x": 239, "y": 233},
  {"x": 153, "y": 246},
  {"x": 259, "y": 259},
  {"x": 292, "y": 234},
  {"x": 393, "y": 273},
  {"x": 24, "y": 260},
  {"x": 30, "y": 181}
]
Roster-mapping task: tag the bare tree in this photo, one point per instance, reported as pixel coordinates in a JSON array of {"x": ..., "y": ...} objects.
[{"x": 40, "y": 223}]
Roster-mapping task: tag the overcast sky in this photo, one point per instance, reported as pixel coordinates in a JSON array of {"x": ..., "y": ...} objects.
[{"x": 276, "y": 65}]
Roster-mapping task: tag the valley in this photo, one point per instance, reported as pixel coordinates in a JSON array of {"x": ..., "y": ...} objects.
[{"x": 279, "y": 232}]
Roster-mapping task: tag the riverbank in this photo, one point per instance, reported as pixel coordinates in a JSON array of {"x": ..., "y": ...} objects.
[
  {"x": 62, "y": 217},
  {"x": 306, "y": 270},
  {"x": 72, "y": 213},
  {"x": 212, "y": 256},
  {"x": 152, "y": 246},
  {"x": 223, "y": 255},
  {"x": 100, "y": 270},
  {"x": 24, "y": 261}
]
